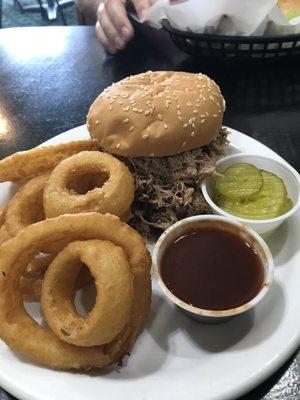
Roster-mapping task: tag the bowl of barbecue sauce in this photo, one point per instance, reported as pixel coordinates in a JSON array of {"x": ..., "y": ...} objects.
[{"x": 212, "y": 267}]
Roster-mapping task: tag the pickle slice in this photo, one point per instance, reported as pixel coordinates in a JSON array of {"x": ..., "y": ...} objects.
[
  {"x": 239, "y": 181},
  {"x": 287, "y": 205},
  {"x": 269, "y": 202}
]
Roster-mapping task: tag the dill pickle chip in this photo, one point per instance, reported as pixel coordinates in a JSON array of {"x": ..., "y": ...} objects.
[
  {"x": 239, "y": 181},
  {"x": 269, "y": 202},
  {"x": 287, "y": 205}
]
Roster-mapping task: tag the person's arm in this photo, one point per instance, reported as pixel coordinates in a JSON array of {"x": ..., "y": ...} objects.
[{"x": 113, "y": 27}]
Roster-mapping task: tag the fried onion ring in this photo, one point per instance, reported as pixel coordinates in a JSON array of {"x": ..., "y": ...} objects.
[
  {"x": 114, "y": 283},
  {"x": 25, "y": 165},
  {"x": 32, "y": 279},
  {"x": 26, "y": 207},
  {"x": 4, "y": 234},
  {"x": 114, "y": 197},
  {"x": 2, "y": 215},
  {"x": 42, "y": 345}
]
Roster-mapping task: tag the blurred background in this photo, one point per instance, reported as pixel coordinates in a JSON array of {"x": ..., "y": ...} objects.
[{"x": 37, "y": 13}]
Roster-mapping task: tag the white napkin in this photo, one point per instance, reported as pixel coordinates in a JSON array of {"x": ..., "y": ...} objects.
[{"x": 224, "y": 17}]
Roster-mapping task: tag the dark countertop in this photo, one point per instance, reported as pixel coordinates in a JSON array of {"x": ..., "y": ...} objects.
[{"x": 49, "y": 77}]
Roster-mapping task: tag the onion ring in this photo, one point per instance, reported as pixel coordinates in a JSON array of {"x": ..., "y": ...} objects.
[
  {"x": 26, "y": 207},
  {"x": 42, "y": 345},
  {"x": 4, "y": 234},
  {"x": 32, "y": 279},
  {"x": 2, "y": 215},
  {"x": 113, "y": 279},
  {"x": 114, "y": 197},
  {"x": 25, "y": 165}
]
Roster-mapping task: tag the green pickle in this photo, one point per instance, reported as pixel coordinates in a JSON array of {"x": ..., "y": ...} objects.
[
  {"x": 270, "y": 201},
  {"x": 287, "y": 206},
  {"x": 239, "y": 180}
]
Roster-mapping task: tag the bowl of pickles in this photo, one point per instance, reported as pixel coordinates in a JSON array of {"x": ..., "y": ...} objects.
[{"x": 260, "y": 191}]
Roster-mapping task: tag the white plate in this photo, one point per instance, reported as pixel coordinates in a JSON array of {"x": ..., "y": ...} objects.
[{"x": 176, "y": 358}]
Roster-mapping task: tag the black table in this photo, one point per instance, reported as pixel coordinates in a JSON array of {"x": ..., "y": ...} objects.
[{"x": 49, "y": 77}]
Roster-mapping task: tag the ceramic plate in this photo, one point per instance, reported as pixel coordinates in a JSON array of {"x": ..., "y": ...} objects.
[{"x": 175, "y": 357}]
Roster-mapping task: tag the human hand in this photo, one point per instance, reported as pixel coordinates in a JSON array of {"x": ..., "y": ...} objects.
[{"x": 113, "y": 28}]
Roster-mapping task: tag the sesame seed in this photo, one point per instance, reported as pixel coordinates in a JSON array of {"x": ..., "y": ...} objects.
[
  {"x": 195, "y": 111},
  {"x": 190, "y": 121},
  {"x": 131, "y": 128},
  {"x": 193, "y": 133},
  {"x": 207, "y": 114},
  {"x": 135, "y": 109},
  {"x": 132, "y": 101},
  {"x": 180, "y": 118},
  {"x": 159, "y": 116},
  {"x": 97, "y": 122},
  {"x": 125, "y": 120},
  {"x": 202, "y": 121},
  {"x": 202, "y": 115},
  {"x": 147, "y": 112},
  {"x": 185, "y": 125},
  {"x": 183, "y": 144},
  {"x": 125, "y": 108},
  {"x": 121, "y": 102},
  {"x": 151, "y": 155},
  {"x": 148, "y": 129},
  {"x": 110, "y": 108},
  {"x": 118, "y": 146},
  {"x": 215, "y": 115},
  {"x": 140, "y": 111},
  {"x": 165, "y": 126}
]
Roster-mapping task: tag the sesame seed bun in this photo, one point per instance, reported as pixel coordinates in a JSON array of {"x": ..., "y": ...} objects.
[{"x": 157, "y": 114}]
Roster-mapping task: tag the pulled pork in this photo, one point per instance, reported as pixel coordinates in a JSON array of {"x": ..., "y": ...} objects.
[{"x": 167, "y": 188}]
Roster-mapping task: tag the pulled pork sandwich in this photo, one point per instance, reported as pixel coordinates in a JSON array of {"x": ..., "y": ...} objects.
[{"x": 167, "y": 128}]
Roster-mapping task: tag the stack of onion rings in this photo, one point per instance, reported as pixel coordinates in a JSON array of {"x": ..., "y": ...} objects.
[
  {"x": 42, "y": 345},
  {"x": 114, "y": 197}
]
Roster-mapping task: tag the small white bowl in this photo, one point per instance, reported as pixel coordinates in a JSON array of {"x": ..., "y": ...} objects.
[
  {"x": 284, "y": 171},
  {"x": 186, "y": 225}
]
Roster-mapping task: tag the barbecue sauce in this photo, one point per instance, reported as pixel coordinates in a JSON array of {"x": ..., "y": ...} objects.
[{"x": 213, "y": 269}]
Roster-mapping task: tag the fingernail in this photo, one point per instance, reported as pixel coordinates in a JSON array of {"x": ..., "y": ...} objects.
[
  {"x": 142, "y": 13},
  {"x": 125, "y": 32},
  {"x": 119, "y": 43}
]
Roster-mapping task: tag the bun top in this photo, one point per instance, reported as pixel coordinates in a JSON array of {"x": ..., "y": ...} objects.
[{"x": 157, "y": 114}]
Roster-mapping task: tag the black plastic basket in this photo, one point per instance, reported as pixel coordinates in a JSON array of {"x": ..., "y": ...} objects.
[{"x": 234, "y": 47}]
